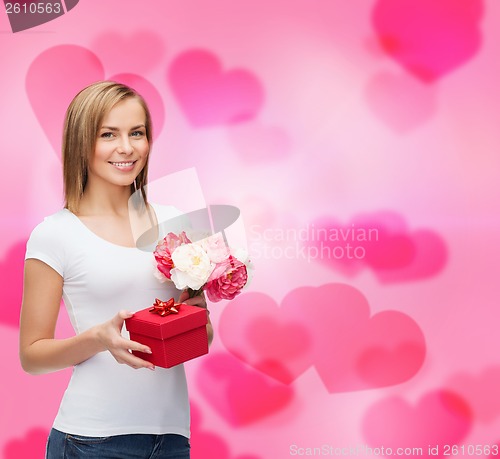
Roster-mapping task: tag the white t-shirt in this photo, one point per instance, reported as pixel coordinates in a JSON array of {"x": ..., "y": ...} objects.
[{"x": 103, "y": 397}]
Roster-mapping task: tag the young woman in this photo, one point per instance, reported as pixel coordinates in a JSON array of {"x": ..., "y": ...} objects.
[{"x": 116, "y": 405}]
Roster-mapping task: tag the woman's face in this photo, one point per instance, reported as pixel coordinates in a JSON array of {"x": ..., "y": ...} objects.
[{"x": 122, "y": 146}]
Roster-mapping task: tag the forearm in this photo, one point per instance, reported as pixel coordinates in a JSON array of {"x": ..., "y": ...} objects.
[
  {"x": 210, "y": 333},
  {"x": 47, "y": 355}
]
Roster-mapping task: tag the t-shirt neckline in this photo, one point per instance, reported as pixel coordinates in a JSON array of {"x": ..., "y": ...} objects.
[{"x": 96, "y": 236}]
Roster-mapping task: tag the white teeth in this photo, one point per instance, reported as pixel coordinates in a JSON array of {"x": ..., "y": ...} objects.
[{"x": 123, "y": 164}]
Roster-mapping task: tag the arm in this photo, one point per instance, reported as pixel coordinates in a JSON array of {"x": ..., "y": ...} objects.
[
  {"x": 40, "y": 352},
  {"x": 210, "y": 330}
]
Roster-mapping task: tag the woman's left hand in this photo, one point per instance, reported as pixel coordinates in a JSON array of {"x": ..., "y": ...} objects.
[
  {"x": 195, "y": 301},
  {"x": 201, "y": 302}
]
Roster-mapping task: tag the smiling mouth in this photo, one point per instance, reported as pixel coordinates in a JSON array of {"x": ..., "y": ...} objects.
[{"x": 123, "y": 164}]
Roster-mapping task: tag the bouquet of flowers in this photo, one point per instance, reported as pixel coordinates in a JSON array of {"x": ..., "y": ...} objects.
[{"x": 206, "y": 265}]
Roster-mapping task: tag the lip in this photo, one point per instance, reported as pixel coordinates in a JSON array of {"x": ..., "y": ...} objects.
[{"x": 123, "y": 166}]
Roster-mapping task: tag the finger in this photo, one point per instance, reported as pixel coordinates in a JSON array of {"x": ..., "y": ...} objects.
[
  {"x": 137, "y": 362},
  {"x": 197, "y": 301},
  {"x": 127, "y": 358},
  {"x": 184, "y": 296},
  {"x": 128, "y": 344},
  {"x": 120, "y": 317}
]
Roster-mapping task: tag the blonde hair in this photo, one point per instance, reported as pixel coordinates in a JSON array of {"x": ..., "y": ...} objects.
[{"x": 81, "y": 126}]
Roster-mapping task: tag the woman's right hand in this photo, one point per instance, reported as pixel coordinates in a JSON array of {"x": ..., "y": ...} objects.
[{"x": 110, "y": 337}]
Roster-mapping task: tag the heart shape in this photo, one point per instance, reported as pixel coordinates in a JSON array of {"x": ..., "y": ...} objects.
[
  {"x": 429, "y": 38},
  {"x": 480, "y": 391},
  {"x": 334, "y": 333},
  {"x": 56, "y": 75},
  {"x": 31, "y": 445},
  {"x": 273, "y": 342},
  {"x": 382, "y": 242},
  {"x": 240, "y": 395},
  {"x": 207, "y": 444},
  {"x": 208, "y": 96},
  {"x": 143, "y": 50},
  {"x": 440, "y": 418}
]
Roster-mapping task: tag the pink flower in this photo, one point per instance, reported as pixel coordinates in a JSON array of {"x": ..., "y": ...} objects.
[
  {"x": 226, "y": 280},
  {"x": 216, "y": 248},
  {"x": 164, "y": 250}
]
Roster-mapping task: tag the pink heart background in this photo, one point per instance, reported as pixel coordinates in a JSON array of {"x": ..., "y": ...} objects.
[
  {"x": 209, "y": 95},
  {"x": 389, "y": 97},
  {"x": 240, "y": 394},
  {"x": 439, "y": 418},
  {"x": 257, "y": 143},
  {"x": 308, "y": 125},
  {"x": 427, "y": 38},
  {"x": 31, "y": 445},
  {"x": 206, "y": 443},
  {"x": 62, "y": 71},
  {"x": 382, "y": 242},
  {"x": 139, "y": 51},
  {"x": 481, "y": 392},
  {"x": 327, "y": 327}
]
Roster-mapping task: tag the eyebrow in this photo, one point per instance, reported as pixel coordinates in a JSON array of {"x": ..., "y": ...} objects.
[{"x": 110, "y": 128}]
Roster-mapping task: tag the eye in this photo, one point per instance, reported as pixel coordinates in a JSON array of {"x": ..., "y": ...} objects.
[
  {"x": 137, "y": 133},
  {"x": 107, "y": 135}
]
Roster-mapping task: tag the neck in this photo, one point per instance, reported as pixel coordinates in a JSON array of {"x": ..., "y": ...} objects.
[{"x": 104, "y": 199}]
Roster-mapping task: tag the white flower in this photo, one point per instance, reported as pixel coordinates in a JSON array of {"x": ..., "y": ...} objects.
[
  {"x": 192, "y": 267},
  {"x": 241, "y": 255}
]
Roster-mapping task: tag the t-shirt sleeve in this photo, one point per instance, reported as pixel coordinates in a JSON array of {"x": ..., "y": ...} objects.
[{"x": 45, "y": 245}]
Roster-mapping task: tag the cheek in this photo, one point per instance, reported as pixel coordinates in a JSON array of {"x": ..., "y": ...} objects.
[
  {"x": 100, "y": 153},
  {"x": 145, "y": 150}
]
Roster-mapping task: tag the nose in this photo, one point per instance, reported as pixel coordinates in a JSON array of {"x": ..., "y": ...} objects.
[{"x": 125, "y": 146}]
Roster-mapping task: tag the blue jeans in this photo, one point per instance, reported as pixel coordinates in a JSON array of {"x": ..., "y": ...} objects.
[{"x": 135, "y": 446}]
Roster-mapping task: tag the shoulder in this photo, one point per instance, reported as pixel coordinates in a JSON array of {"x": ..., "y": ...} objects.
[
  {"x": 47, "y": 241},
  {"x": 54, "y": 225}
]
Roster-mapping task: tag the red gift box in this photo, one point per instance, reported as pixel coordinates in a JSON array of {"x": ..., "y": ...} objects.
[{"x": 173, "y": 338}]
